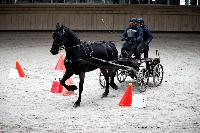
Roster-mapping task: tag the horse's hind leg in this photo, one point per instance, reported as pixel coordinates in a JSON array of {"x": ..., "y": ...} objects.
[
  {"x": 112, "y": 74},
  {"x": 81, "y": 77},
  {"x": 106, "y": 76},
  {"x": 66, "y": 76}
]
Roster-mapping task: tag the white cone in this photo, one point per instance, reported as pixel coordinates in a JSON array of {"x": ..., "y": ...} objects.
[
  {"x": 138, "y": 101},
  {"x": 13, "y": 74}
]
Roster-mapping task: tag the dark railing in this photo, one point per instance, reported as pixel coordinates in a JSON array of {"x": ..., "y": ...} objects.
[
  {"x": 85, "y": 17},
  {"x": 166, "y": 2}
]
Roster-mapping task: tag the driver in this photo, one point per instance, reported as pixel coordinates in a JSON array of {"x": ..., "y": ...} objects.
[{"x": 133, "y": 35}]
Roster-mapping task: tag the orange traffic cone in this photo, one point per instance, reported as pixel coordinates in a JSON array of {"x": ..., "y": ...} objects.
[
  {"x": 56, "y": 87},
  {"x": 127, "y": 97},
  {"x": 60, "y": 64},
  {"x": 19, "y": 69}
]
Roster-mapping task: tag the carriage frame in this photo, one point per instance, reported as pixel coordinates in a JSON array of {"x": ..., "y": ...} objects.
[{"x": 138, "y": 72}]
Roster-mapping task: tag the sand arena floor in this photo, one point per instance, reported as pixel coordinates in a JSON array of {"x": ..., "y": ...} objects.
[{"x": 27, "y": 105}]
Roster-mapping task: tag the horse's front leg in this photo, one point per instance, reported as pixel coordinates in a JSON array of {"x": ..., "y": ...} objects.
[
  {"x": 81, "y": 77},
  {"x": 66, "y": 76},
  {"x": 106, "y": 76}
]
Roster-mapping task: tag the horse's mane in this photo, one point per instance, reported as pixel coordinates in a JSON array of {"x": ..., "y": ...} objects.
[{"x": 72, "y": 38}]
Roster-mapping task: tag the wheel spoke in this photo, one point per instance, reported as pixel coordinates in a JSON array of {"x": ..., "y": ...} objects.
[
  {"x": 158, "y": 74},
  {"x": 102, "y": 80},
  {"x": 143, "y": 79},
  {"x": 121, "y": 75}
]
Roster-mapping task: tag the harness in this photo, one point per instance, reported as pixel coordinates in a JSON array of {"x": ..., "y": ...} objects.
[
  {"x": 88, "y": 51},
  {"x": 90, "y": 59}
]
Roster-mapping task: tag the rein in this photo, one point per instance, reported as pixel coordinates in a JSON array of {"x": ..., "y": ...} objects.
[
  {"x": 61, "y": 48},
  {"x": 73, "y": 46}
]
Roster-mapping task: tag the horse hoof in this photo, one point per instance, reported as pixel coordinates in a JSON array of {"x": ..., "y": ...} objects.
[
  {"x": 73, "y": 87},
  {"x": 114, "y": 86},
  {"x": 104, "y": 95},
  {"x": 76, "y": 104}
]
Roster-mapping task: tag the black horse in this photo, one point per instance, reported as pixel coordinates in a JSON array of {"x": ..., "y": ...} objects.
[{"x": 82, "y": 57}]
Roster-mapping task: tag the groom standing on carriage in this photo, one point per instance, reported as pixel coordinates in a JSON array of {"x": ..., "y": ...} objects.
[
  {"x": 133, "y": 35},
  {"x": 147, "y": 37}
]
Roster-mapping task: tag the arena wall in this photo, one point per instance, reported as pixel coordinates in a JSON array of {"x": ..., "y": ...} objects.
[{"x": 89, "y": 17}]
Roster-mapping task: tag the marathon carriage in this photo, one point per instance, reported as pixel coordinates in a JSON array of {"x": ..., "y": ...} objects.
[
  {"x": 134, "y": 66},
  {"x": 137, "y": 70}
]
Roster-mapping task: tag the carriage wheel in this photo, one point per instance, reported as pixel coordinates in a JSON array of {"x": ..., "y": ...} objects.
[
  {"x": 158, "y": 74},
  {"x": 102, "y": 80},
  {"x": 143, "y": 79},
  {"x": 121, "y": 75}
]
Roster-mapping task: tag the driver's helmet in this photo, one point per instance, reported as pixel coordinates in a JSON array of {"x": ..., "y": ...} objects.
[
  {"x": 133, "y": 20},
  {"x": 140, "y": 20}
]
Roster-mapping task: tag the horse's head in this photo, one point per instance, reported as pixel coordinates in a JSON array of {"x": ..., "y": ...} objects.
[
  {"x": 63, "y": 36},
  {"x": 57, "y": 39}
]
